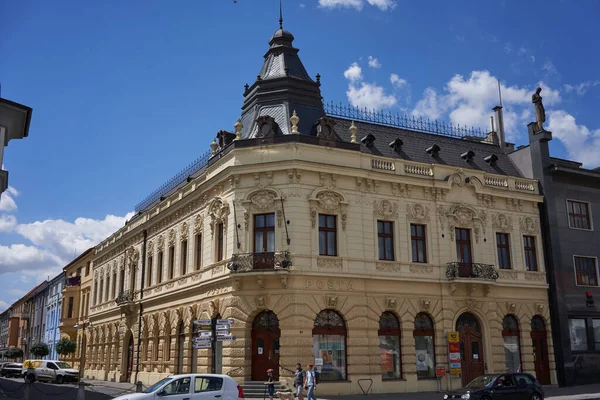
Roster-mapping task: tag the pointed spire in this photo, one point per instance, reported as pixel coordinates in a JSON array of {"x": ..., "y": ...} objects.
[{"x": 280, "y": 16}]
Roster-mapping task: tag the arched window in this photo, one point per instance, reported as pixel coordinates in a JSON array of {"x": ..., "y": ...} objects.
[
  {"x": 329, "y": 339},
  {"x": 180, "y": 348},
  {"x": 389, "y": 346},
  {"x": 538, "y": 324},
  {"x": 424, "y": 346},
  {"x": 512, "y": 346}
]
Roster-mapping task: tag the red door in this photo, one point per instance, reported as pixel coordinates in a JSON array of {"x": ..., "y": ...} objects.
[
  {"x": 471, "y": 347},
  {"x": 539, "y": 341},
  {"x": 265, "y": 346}
]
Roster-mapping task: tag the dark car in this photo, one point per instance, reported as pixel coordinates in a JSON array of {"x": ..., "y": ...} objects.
[
  {"x": 517, "y": 386},
  {"x": 11, "y": 370}
]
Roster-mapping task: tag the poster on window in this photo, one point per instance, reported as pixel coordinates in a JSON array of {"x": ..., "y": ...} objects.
[
  {"x": 387, "y": 360},
  {"x": 421, "y": 360}
]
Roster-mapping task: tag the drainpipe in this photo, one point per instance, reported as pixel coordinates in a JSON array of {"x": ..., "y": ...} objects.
[{"x": 139, "y": 341}]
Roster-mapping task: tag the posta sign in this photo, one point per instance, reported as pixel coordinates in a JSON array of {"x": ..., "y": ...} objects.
[
  {"x": 32, "y": 364},
  {"x": 454, "y": 353}
]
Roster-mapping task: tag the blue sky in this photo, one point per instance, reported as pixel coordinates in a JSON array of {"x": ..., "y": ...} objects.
[{"x": 124, "y": 94}]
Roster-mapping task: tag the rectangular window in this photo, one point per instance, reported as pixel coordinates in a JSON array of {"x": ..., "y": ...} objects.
[
  {"x": 122, "y": 280},
  {"x": 101, "y": 291},
  {"x": 198, "y": 255},
  {"x": 184, "y": 246},
  {"x": 385, "y": 240},
  {"x": 264, "y": 233},
  {"x": 327, "y": 235},
  {"x": 463, "y": 245},
  {"x": 171, "y": 261},
  {"x": 586, "y": 271},
  {"x": 418, "y": 241},
  {"x": 87, "y": 304},
  {"x": 596, "y": 328},
  {"x": 503, "y": 246},
  {"x": 114, "y": 285},
  {"x": 332, "y": 349},
  {"x": 70, "y": 309},
  {"x": 95, "y": 293},
  {"x": 578, "y": 334},
  {"x": 220, "y": 242},
  {"x": 149, "y": 272},
  {"x": 530, "y": 257},
  {"x": 579, "y": 215},
  {"x": 87, "y": 268},
  {"x": 161, "y": 261}
]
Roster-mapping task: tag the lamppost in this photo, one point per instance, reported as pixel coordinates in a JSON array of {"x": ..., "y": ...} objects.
[{"x": 83, "y": 325}]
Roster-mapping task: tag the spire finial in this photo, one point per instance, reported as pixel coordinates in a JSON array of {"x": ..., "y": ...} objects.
[{"x": 280, "y": 16}]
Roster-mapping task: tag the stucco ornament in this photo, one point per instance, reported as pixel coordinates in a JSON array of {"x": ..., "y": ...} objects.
[
  {"x": 171, "y": 237},
  {"x": 218, "y": 211},
  {"x": 331, "y": 301},
  {"x": 161, "y": 242},
  {"x": 465, "y": 216},
  {"x": 417, "y": 212},
  {"x": 184, "y": 231},
  {"x": 198, "y": 224},
  {"x": 330, "y": 202},
  {"x": 385, "y": 209},
  {"x": 502, "y": 221},
  {"x": 263, "y": 199},
  {"x": 133, "y": 257},
  {"x": 150, "y": 248},
  {"x": 528, "y": 225}
]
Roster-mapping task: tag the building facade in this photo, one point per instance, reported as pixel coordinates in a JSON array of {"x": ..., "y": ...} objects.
[
  {"x": 53, "y": 313},
  {"x": 328, "y": 236},
  {"x": 4, "y": 318},
  {"x": 83, "y": 323},
  {"x": 14, "y": 124},
  {"x": 572, "y": 200},
  {"x": 38, "y": 325}
]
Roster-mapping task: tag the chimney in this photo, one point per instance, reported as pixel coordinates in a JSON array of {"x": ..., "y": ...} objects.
[{"x": 499, "y": 126}]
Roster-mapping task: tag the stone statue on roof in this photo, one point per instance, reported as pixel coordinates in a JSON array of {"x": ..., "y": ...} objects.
[{"x": 540, "y": 112}]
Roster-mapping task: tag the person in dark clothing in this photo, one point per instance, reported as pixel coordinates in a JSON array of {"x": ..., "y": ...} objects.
[
  {"x": 270, "y": 384},
  {"x": 299, "y": 376}
]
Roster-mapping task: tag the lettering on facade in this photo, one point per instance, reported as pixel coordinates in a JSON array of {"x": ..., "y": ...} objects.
[{"x": 329, "y": 284}]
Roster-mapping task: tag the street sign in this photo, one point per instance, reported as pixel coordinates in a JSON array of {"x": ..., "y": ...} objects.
[
  {"x": 225, "y": 338},
  {"x": 203, "y": 322},
  {"x": 226, "y": 326},
  {"x": 204, "y": 334},
  {"x": 453, "y": 337},
  {"x": 203, "y": 345},
  {"x": 201, "y": 339},
  {"x": 223, "y": 333},
  {"x": 225, "y": 321},
  {"x": 454, "y": 356}
]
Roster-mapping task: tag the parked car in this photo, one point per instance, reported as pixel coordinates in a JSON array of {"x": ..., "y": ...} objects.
[
  {"x": 49, "y": 371},
  {"x": 191, "y": 387},
  {"x": 11, "y": 370},
  {"x": 517, "y": 386}
]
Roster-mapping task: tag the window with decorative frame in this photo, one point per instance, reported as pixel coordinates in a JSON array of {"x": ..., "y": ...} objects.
[
  {"x": 389, "y": 346},
  {"x": 385, "y": 240},
  {"x": 220, "y": 241},
  {"x": 198, "y": 251},
  {"x": 159, "y": 272},
  {"x": 184, "y": 256},
  {"x": 171, "y": 261},
  {"x": 329, "y": 344},
  {"x": 579, "y": 215},
  {"x": 418, "y": 239},
  {"x": 512, "y": 347},
  {"x": 530, "y": 253},
  {"x": 586, "y": 270},
  {"x": 503, "y": 249},
  {"x": 327, "y": 235},
  {"x": 149, "y": 271},
  {"x": 424, "y": 335}
]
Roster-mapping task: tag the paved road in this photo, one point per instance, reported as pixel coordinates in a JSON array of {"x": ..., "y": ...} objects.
[{"x": 15, "y": 389}]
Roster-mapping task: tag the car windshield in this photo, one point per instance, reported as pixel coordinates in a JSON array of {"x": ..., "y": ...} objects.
[
  {"x": 157, "y": 385},
  {"x": 62, "y": 364},
  {"x": 481, "y": 382}
]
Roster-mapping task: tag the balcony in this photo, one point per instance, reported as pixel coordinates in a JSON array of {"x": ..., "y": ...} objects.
[
  {"x": 458, "y": 270},
  {"x": 124, "y": 298},
  {"x": 72, "y": 281},
  {"x": 249, "y": 262}
]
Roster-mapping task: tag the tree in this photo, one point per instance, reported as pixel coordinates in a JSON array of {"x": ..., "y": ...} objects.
[
  {"x": 40, "y": 350},
  {"x": 66, "y": 346},
  {"x": 14, "y": 352}
]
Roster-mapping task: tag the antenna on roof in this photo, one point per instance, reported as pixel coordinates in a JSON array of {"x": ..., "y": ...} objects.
[
  {"x": 499, "y": 93},
  {"x": 280, "y": 16}
]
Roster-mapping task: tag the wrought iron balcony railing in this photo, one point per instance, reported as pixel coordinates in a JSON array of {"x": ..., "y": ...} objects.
[
  {"x": 125, "y": 297},
  {"x": 246, "y": 262},
  {"x": 456, "y": 270},
  {"x": 73, "y": 281}
]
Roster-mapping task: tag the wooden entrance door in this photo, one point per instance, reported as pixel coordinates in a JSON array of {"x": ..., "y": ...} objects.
[
  {"x": 539, "y": 339},
  {"x": 471, "y": 347},
  {"x": 265, "y": 346},
  {"x": 129, "y": 358}
]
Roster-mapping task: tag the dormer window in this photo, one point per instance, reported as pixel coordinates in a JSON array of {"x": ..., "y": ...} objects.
[
  {"x": 491, "y": 159},
  {"x": 396, "y": 144},
  {"x": 266, "y": 126},
  {"x": 433, "y": 151},
  {"x": 326, "y": 128},
  {"x": 368, "y": 140},
  {"x": 468, "y": 155}
]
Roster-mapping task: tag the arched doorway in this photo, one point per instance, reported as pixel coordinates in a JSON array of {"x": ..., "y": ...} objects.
[
  {"x": 265, "y": 345},
  {"x": 539, "y": 340},
  {"x": 129, "y": 359},
  {"x": 512, "y": 344},
  {"x": 180, "y": 348},
  {"x": 471, "y": 347}
]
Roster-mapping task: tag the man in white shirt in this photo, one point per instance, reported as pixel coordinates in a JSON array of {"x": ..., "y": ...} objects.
[{"x": 310, "y": 383}]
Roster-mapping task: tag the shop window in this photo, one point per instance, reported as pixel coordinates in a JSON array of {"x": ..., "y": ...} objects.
[
  {"x": 329, "y": 341},
  {"x": 578, "y": 334},
  {"x": 424, "y": 346},
  {"x": 596, "y": 328},
  {"x": 512, "y": 347},
  {"x": 389, "y": 346}
]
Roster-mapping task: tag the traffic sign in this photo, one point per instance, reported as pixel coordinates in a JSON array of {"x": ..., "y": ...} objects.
[{"x": 225, "y": 338}]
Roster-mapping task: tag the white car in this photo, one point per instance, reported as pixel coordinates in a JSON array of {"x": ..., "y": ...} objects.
[{"x": 190, "y": 387}]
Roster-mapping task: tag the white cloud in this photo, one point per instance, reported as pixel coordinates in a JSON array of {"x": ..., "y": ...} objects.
[
  {"x": 370, "y": 96},
  {"x": 7, "y": 222},
  {"x": 353, "y": 73},
  {"x": 7, "y": 200},
  {"x": 20, "y": 257},
  {"x": 549, "y": 67},
  {"x": 397, "y": 81},
  {"x": 581, "y": 143},
  {"x": 3, "y": 305},
  {"x": 302, "y": 5},
  {"x": 581, "y": 88},
  {"x": 356, "y": 4},
  {"x": 374, "y": 62},
  {"x": 383, "y": 5}
]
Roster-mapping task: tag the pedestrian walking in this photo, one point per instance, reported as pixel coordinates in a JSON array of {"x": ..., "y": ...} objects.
[
  {"x": 270, "y": 384},
  {"x": 299, "y": 376},
  {"x": 310, "y": 383}
]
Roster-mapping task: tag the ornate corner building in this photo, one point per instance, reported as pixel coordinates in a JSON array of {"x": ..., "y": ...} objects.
[{"x": 329, "y": 235}]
